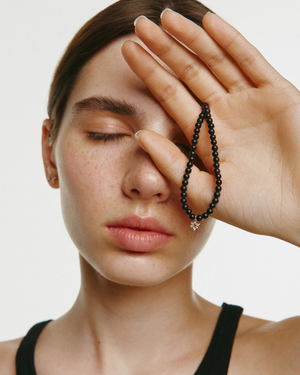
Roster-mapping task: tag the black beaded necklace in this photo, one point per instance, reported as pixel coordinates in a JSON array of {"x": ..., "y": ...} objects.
[{"x": 205, "y": 114}]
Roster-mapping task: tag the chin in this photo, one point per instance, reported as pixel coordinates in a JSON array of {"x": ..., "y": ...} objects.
[{"x": 143, "y": 270}]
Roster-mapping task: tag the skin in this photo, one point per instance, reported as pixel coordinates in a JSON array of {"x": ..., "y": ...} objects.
[
  {"x": 136, "y": 313},
  {"x": 255, "y": 110}
]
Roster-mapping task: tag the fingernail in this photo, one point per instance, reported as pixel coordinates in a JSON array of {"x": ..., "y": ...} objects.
[
  {"x": 138, "y": 140},
  {"x": 135, "y": 21},
  {"x": 126, "y": 40},
  {"x": 167, "y": 9}
]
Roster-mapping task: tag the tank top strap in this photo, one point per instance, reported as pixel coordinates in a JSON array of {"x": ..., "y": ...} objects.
[
  {"x": 25, "y": 353},
  {"x": 217, "y": 358},
  {"x": 215, "y": 362}
]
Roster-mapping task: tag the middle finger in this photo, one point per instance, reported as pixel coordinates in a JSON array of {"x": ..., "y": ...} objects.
[{"x": 186, "y": 64}]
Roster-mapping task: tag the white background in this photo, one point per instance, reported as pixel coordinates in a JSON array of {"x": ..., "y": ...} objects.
[{"x": 39, "y": 272}]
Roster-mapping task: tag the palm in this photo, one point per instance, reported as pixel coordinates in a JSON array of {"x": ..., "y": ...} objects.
[{"x": 258, "y": 164}]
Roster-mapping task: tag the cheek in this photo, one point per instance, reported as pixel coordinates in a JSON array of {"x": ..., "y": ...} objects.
[
  {"x": 195, "y": 241},
  {"x": 90, "y": 180}
]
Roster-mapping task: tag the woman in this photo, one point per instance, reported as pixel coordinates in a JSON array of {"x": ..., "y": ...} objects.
[{"x": 116, "y": 144}]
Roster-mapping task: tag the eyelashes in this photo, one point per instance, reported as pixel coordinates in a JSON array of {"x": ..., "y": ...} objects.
[{"x": 106, "y": 137}]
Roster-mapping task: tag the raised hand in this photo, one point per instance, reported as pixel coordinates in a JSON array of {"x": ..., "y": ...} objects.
[{"x": 256, "y": 114}]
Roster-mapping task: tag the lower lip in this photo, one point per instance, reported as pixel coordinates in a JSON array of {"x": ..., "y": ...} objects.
[{"x": 138, "y": 240}]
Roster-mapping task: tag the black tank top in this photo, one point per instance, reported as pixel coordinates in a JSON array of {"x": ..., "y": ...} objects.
[{"x": 215, "y": 361}]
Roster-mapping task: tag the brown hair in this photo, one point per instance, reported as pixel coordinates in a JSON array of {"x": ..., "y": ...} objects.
[{"x": 111, "y": 23}]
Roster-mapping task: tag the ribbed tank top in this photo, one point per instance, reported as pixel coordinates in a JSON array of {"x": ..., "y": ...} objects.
[{"x": 215, "y": 362}]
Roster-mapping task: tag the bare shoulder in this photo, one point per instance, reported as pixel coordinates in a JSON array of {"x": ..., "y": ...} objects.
[
  {"x": 267, "y": 347},
  {"x": 8, "y": 351}
]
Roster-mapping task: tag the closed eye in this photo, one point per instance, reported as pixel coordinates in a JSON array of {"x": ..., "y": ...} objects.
[{"x": 106, "y": 137}]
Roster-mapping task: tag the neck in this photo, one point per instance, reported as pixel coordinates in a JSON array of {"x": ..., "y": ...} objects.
[
  {"x": 143, "y": 322},
  {"x": 100, "y": 299}
]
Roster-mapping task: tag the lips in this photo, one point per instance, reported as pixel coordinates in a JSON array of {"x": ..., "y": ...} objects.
[{"x": 138, "y": 234}]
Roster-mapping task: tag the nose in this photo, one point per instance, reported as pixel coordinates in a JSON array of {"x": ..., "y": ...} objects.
[{"x": 144, "y": 181}]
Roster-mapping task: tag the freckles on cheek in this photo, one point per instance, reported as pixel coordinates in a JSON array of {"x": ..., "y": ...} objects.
[{"x": 89, "y": 176}]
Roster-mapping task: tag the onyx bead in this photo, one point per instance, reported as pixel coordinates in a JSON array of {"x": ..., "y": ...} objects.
[
  {"x": 189, "y": 211},
  {"x": 183, "y": 194},
  {"x": 215, "y": 200},
  {"x": 217, "y": 194},
  {"x": 183, "y": 188},
  {"x": 186, "y": 176},
  {"x": 183, "y": 201},
  {"x": 205, "y": 215},
  {"x": 218, "y": 182},
  {"x": 185, "y": 207},
  {"x": 212, "y": 205},
  {"x": 189, "y": 170},
  {"x": 185, "y": 182},
  {"x": 199, "y": 217},
  {"x": 218, "y": 188},
  {"x": 189, "y": 164},
  {"x": 192, "y": 216},
  {"x": 209, "y": 211}
]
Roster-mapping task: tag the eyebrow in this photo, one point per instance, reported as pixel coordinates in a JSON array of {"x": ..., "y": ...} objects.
[{"x": 102, "y": 103}]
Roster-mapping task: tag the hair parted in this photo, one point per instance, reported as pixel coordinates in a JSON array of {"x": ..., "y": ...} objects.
[{"x": 108, "y": 25}]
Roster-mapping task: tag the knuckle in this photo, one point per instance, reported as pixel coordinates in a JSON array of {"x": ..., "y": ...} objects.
[
  {"x": 164, "y": 49},
  {"x": 215, "y": 60},
  {"x": 167, "y": 93},
  {"x": 189, "y": 72},
  {"x": 248, "y": 60}
]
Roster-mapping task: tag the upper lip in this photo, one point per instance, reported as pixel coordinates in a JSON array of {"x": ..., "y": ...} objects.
[{"x": 148, "y": 223}]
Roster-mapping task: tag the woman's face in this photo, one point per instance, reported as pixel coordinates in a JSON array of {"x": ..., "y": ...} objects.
[{"x": 123, "y": 215}]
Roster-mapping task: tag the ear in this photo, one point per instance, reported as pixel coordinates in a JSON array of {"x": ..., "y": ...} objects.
[{"x": 48, "y": 159}]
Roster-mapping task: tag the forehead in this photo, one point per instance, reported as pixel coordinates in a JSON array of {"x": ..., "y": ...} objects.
[{"x": 108, "y": 74}]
